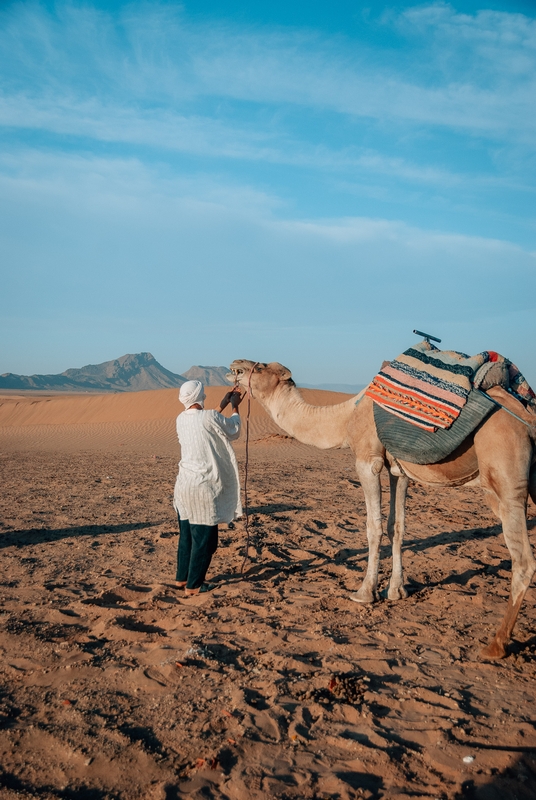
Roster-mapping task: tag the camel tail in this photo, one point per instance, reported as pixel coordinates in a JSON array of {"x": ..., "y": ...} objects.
[
  {"x": 532, "y": 483},
  {"x": 532, "y": 430},
  {"x": 532, "y": 474},
  {"x": 530, "y": 420}
]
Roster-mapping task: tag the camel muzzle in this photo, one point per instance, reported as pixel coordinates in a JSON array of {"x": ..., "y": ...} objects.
[{"x": 234, "y": 375}]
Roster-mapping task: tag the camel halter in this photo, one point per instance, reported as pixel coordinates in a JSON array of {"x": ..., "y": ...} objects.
[{"x": 246, "y": 503}]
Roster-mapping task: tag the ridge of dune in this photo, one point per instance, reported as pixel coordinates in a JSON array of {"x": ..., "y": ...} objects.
[{"x": 141, "y": 406}]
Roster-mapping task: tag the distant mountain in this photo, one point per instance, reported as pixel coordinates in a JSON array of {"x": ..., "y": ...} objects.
[
  {"x": 348, "y": 388},
  {"x": 210, "y": 376},
  {"x": 130, "y": 373}
]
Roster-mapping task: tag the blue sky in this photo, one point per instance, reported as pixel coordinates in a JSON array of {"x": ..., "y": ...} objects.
[{"x": 300, "y": 182}]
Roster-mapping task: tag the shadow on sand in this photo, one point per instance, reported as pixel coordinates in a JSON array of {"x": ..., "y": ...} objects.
[{"x": 46, "y": 535}]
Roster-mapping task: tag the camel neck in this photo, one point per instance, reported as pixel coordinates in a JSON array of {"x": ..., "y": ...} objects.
[{"x": 321, "y": 426}]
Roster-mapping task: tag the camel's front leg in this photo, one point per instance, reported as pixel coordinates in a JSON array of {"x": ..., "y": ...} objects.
[
  {"x": 395, "y": 530},
  {"x": 369, "y": 475}
]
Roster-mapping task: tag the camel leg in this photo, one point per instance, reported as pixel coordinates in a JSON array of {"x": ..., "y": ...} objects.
[
  {"x": 395, "y": 531},
  {"x": 523, "y": 566},
  {"x": 369, "y": 476},
  {"x": 504, "y": 474}
]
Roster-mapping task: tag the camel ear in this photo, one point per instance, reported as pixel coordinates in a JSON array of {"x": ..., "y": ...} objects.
[{"x": 282, "y": 372}]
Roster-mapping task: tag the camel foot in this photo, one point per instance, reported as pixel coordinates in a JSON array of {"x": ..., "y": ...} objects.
[
  {"x": 397, "y": 593},
  {"x": 495, "y": 649},
  {"x": 364, "y": 596}
]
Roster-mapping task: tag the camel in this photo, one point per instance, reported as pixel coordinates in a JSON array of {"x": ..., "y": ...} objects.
[{"x": 500, "y": 456}]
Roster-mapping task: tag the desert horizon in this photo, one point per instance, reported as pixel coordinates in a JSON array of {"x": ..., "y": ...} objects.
[
  {"x": 274, "y": 685},
  {"x": 131, "y": 372}
]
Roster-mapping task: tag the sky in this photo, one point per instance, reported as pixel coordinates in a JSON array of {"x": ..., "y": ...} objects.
[{"x": 303, "y": 182}]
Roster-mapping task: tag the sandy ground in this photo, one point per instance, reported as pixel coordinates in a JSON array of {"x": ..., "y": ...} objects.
[{"x": 273, "y": 685}]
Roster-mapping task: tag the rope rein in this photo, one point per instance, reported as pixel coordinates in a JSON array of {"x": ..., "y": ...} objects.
[
  {"x": 246, "y": 466},
  {"x": 524, "y": 421}
]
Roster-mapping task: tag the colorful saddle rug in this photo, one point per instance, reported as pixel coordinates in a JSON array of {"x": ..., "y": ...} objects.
[
  {"x": 429, "y": 388},
  {"x": 411, "y": 443}
]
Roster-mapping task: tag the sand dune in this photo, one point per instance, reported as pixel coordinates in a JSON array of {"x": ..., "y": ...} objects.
[
  {"x": 136, "y": 420},
  {"x": 29, "y": 409},
  {"x": 274, "y": 685}
]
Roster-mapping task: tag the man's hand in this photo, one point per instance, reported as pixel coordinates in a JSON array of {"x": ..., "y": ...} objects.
[
  {"x": 235, "y": 399},
  {"x": 226, "y": 400}
]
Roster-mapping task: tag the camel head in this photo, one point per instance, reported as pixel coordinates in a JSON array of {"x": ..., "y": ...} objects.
[{"x": 263, "y": 379}]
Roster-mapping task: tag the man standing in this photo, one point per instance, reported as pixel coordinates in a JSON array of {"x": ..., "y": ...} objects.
[{"x": 207, "y": 489}]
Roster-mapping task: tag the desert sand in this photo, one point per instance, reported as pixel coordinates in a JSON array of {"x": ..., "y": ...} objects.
[{"x": 274, "y": 685}]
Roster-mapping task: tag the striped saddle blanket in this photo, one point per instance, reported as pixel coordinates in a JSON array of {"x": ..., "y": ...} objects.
[{"x": 429, "y": 387}]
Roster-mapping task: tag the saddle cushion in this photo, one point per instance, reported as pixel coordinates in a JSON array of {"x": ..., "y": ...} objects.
[{"x": 408, "y": 442}]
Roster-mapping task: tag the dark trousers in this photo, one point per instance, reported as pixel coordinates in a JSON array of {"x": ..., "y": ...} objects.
[{"x": 197, "y": 545}]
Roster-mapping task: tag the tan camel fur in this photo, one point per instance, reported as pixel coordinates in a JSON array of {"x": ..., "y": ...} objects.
[{"x": 500, "y": 457}]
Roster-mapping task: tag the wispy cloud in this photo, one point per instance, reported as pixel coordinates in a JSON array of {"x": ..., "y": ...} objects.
[
  {"x": 206, "y": 136},
  {"x": 270, "y": 70},
  {"x": 385, "y": 124},
  {"x": 490, "y": 48},
  {"x": 140, "y": 210},
  {"x": 479, "y": 71},
  {"x": 147, "y": 76}
]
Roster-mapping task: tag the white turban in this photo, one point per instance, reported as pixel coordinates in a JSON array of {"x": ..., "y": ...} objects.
[{"x": 191, "y": 392}]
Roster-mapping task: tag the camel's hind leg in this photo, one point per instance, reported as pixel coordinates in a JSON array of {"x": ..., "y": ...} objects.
[
  {"x": 504, "y": 473},
  {"x": 395, "y": 531},
  {"x": 523, "y": 566},
  {"x": 514, "y": 521}
]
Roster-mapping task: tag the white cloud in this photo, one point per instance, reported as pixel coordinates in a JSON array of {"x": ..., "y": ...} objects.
[
  {"x": 161, "y": 128},
  {"x": 147, "y": 79},
  {"x": 453, "y": 87},
  {"x": 488, "y": 43},
  {"x": 206, "y": 136},
  {"x": 479, "y": 71},
  {"x": 117, "y": 217}
]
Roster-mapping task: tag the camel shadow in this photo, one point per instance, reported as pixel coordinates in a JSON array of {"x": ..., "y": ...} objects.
[
  {"x": 276, "y": 508},
  {"x": 32, "y": 536},
  {"x": 275, "y": 571},
  {"x": 451, "y": 537},
  {"x": 457, "y": 538},
  {"x": 269, "y": 570},
  {"x": 427, "y": 543},
  {"x": 462, "y": 578}
]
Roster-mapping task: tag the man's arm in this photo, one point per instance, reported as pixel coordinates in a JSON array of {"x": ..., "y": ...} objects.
[{"x": 230, "y": 425}]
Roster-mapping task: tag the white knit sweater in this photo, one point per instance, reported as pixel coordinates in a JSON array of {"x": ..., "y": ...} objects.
[{"x": 207, "y": 489}]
